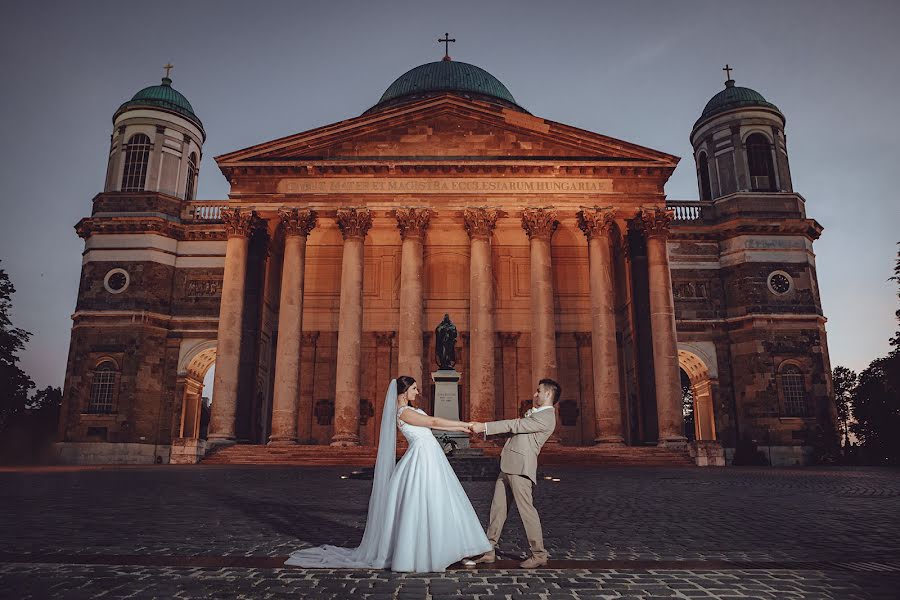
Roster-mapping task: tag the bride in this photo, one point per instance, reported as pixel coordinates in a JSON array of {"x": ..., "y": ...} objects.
[{"x": 420, "y": 518}]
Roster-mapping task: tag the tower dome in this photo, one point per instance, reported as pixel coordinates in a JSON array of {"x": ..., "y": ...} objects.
[
  {"x": 163, "y": 97},
  {"x": 733, "y": 97},
  {"x": 446, "y": 76}
]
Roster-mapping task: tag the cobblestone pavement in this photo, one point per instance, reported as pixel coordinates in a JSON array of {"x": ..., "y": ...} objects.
[{"x": 222, "y": 532}]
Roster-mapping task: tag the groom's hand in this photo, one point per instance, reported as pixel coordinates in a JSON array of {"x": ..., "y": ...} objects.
[{"x": 477, "y": 427}]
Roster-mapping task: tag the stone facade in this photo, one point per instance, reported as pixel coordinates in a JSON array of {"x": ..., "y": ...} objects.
[{"x": 553, "y": 250}]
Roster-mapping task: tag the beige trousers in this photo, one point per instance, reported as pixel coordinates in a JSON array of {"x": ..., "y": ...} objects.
[{"x": 520, "y": 488}]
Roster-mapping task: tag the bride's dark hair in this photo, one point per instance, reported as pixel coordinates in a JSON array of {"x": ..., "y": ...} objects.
[{"x": 404, "y": 382}]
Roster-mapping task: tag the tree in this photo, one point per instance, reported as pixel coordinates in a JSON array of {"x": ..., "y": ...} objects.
[
  {"x": 14, "y": 383},
  {"x": 876, "y": 402},
  {"x": 844, "y": 381}
]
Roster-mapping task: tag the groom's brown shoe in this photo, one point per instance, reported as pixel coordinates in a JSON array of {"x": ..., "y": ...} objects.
[
  {"x": 533, "y": 563},
  {"x": 487, "y": 557}
]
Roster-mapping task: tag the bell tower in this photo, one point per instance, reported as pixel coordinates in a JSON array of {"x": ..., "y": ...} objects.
[
  {"x": 156, "y": 144},
  {"x": 739, "y": 144}
]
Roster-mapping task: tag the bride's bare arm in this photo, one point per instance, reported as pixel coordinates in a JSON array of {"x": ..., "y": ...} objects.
[{"x": 414, "y": 418}]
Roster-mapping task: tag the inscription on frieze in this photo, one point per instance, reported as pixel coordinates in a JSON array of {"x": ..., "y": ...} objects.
[
  {"x": 203, "y": 288},
  {"x": 445, "y": 185},
  {"x": 691, "y": 290}
]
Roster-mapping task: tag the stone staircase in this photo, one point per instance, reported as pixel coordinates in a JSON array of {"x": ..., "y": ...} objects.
[{"x": 552, "y": 455}]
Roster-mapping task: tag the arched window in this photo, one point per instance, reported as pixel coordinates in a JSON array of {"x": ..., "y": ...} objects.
[
  {"x": 191, "y": 177},
  {"x": 703, "y": 167},
  {"x": 759, "y": 162},
  {"x": 793, "y": 391},
  {"x": 137, "y": 154},
  {"x": 103, "y": 384}
]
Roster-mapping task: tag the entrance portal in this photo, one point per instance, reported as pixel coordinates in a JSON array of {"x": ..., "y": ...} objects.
[{"x": 702, "y": 385}]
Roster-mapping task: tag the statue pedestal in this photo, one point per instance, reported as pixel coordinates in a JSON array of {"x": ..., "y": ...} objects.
[{"x": 446, "y": 403}]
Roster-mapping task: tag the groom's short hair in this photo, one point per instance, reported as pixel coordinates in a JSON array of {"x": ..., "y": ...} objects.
[{"x": 555, "y": 387}]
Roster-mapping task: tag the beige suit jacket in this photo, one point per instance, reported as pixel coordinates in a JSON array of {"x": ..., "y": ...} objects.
[{"x": 520, "y": 454}]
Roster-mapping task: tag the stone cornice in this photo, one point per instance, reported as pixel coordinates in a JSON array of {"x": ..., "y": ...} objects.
[
  {"x": 480, "y": 221},
  {"x": 354, "y": 222},
  {"x": 89, "y": 226},
  {"x": 297, "y": 221},
  {"x": 413, "y": 221},
  {"x": 539, "y": 223},
  {"x": 809, "y": 228},
  {"x": 596, "y": 221}
]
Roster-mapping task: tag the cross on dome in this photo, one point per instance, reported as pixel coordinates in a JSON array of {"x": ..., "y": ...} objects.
[{"x": 446, "y": 41}]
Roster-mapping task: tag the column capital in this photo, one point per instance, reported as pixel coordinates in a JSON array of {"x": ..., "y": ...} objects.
[
  {"x": 539, "y": 223},
  {"x": 656, "y": 222},
  {"x": 240, "y": 222},
  {"x": 297, "y": 221},
  {"x": 354, "y": 222},
  {"x": 413, "y": 221},
  {"x": 480, "y": 221},
  {"x": 596, "y": 221}
]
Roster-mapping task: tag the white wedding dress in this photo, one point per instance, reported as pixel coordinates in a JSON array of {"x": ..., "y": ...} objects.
[{"x": 419, "y": 519}]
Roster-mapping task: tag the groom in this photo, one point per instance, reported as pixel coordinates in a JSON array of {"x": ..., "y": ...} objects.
[{"x": 518, "y": 470}]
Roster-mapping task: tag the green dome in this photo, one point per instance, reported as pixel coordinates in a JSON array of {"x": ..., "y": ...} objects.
[
  {"x": 164, "y": 97},
  {"x": 734, "y": 97},
  {"x": 445, "y": 76}
]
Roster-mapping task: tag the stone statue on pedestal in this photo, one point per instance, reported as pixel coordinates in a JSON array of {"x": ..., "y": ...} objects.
[{"x": 445, "y": 344}]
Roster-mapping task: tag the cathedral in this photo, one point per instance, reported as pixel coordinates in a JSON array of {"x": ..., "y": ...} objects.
[{"x": 553, "y": 250}]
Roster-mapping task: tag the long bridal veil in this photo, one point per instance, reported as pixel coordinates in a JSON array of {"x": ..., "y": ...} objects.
[{"x": 373, "y": 551}]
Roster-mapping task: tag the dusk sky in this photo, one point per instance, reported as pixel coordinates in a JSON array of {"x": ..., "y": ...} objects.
[{"x": 637, "y": 71}]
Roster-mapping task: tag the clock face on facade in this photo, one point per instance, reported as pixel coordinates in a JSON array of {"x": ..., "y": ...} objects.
[
  {"x": 116, "y": 281},
  {"x": 779, "y": 282}
]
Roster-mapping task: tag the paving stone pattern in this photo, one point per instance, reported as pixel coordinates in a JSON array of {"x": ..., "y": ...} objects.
[{"x": 221, "y": 532}]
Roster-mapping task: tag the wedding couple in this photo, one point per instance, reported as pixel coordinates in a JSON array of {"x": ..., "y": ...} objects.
[{"x": 420, "y": 518}]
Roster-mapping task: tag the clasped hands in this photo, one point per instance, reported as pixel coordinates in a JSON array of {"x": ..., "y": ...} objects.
[{"x": 475, "y": 427}]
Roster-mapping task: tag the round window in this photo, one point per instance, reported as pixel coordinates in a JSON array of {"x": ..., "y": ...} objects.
[
  {"x": 780, "y": 282},
  {"x": 116, "y": 281}
]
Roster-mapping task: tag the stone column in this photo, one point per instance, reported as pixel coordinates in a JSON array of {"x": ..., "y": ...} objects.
[
  {"x": 412, "y": 223},
  {"x": 479, "y": 223},
  {"x": 307, "y": 387},
  {"x": 510, "y": 408},
  {"x": 597, "y": 225},
  {"x": 539, "y": 224},
  {"x": 297, "y": 224},
  {"x": 238, "y": 226},
  {"x": 384, "y": 342},
  {"x": 667, "y": 374},
  {"x": 354, "y": 224}
]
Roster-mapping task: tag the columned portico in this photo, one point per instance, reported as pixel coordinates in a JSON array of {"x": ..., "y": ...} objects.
[
  {"x": 354, "y": 224},
  {"x": 480, "y": 223},
  {"x": 238, "y": 226},
  {"x": 297, "y": 224},
  {"x": 597, "y": 226},
  {"x": 412, "y": 223},
  {"x": 655, "y": 224}
]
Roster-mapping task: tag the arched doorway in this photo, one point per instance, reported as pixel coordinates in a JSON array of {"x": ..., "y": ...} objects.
[
  {"x": 196, "y": 367},
  {"x": 702, "y": 383}
]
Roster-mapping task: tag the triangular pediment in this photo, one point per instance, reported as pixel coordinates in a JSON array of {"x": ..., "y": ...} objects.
[{"x": 446, "y": 128}]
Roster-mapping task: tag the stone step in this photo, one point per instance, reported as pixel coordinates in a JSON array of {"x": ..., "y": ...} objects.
[{"x": 310, "y": 455}]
